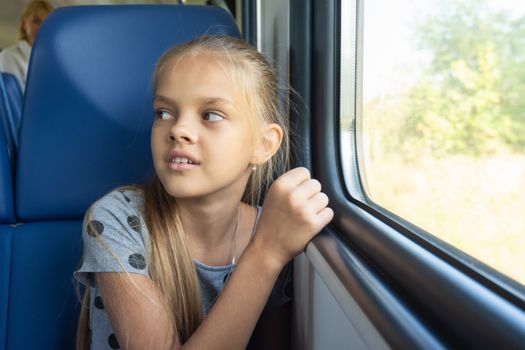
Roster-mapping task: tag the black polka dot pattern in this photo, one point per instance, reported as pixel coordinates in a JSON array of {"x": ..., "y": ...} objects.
[
  {"x": 98, "y": 303},
  {"x": 134, "y": 223},
  {"x": 112, "y": 341},
  {"x": 125, "y": 197},
  {"x": 95, "y": 228},
  {"x": 137, "y": 261}
]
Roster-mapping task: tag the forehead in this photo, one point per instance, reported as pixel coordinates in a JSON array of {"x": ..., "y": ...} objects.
[
  {"x": 199, "y": 74},
  {"x": 39, "y": 13}
]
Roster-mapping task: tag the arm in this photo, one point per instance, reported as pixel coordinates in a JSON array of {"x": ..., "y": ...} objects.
[
  {"x": 294, "y": 204},
  {"x": 141, "y": 322}
]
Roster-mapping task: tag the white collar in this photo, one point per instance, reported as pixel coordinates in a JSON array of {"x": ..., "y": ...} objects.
[{"x": 25, "y": 48}]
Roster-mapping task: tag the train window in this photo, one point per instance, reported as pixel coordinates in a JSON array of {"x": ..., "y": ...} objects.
[{"x": 439, "y": 123}]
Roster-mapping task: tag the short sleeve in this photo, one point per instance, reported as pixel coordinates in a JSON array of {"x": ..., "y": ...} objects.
[
  {"x": 282, "y": 291},
  {"x": 114, "y": 237}
]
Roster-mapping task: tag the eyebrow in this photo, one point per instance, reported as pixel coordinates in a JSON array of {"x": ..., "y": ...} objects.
[
  {"x": 213, "y": 100},
  {"x": 161, "y": 98},
  {"x": 205, "y": 101}
]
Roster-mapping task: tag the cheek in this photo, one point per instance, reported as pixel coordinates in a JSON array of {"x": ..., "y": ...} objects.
[{"x": 156, "y": 142}]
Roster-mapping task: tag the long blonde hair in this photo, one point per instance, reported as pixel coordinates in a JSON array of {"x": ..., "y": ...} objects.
[{"x": 170, "y": 265}]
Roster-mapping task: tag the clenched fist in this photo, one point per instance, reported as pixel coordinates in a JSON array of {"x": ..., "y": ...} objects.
[{"x": 294, "y": 211}]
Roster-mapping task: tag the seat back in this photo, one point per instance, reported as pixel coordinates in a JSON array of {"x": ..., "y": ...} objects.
[
  {"x": 7, "y": 212},
  {"x": 90, "y": 132},
  {"x": 5, "y": 269},
  {"x": 10, "y": 109},
  {"x": 85, "y": 130},
  {"x": 7, "y": 216}
]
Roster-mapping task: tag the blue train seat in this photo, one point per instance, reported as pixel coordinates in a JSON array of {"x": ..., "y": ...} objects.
[
  {"x": 7, "y": 217},
  {"x": 6, "y": 234},
  {"x": 10, "y": 110},
  {"x": 7, "y": 211},
  {"x": 85, "y": 130}
]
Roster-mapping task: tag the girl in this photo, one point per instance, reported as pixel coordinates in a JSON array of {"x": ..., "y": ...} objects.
[{"x": 158, "y": 258}]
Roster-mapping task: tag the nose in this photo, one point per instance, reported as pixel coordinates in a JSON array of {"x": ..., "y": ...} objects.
[{"x": 183, "y": 131}]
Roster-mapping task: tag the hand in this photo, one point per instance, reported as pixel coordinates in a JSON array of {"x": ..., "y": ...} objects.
[{"x": 294, "y": 211}]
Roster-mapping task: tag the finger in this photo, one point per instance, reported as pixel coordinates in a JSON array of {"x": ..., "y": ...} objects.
[
  {"x": 293, "y": 177},
  {"x": 308, "y": 188},
  {"x": 318, "y": 202},
  {"x": 325, "y": 216}
]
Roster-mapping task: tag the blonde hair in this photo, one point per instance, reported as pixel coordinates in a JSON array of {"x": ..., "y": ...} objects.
[
  {"x": 170, "y": 264},
  {"x": 39, "y": 7}
]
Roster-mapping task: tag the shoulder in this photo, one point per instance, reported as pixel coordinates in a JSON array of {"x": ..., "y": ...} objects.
[
  {"x": 118, "y": 211},
  {"x": 115, "y": 236},
  {"x": 11, "y": 51},
  {"x": 8, "y": 53},
  {"x": 14, "y": 55},
  {"x": 119, "y": 201}
]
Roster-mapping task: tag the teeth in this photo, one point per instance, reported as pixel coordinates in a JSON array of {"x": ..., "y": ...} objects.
[{"x": 181, "y": 160}]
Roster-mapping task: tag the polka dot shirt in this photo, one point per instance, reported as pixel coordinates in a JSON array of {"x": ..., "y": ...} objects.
[{"x": 116, "y": 222}]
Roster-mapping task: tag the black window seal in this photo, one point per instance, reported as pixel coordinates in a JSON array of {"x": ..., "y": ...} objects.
[
  {"x": 249, "y": 21},
  {"x": 460, "y": 308}
]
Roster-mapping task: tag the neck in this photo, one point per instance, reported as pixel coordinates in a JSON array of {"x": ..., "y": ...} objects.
[{"x": 210, "y": 224}]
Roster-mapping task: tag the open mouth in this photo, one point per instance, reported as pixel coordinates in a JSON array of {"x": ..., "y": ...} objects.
[
  {"x": 181, "y": 160},
  {"x": 178, "y": 161}
]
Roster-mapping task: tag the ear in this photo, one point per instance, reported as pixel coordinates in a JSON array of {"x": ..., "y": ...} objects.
[{"x": 269, "y": 144}]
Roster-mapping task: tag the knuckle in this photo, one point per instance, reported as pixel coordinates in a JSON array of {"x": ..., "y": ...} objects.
[
  {"x": 294, "y": 201},
  {"x": 313, "y": 226},
  {"x": 306, "y": 216},
  {"x": 297, "y": 195},
  {"x": 279, "y": 185}
]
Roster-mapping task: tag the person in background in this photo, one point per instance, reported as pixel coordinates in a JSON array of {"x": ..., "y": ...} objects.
[{"x": 14, "y": 59}]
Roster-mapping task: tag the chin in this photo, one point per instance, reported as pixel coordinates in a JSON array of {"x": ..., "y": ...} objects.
[{"x": 177, "y": 189}]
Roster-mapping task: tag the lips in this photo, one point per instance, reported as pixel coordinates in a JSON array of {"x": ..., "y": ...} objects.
[{"x": 181, "y": 160}]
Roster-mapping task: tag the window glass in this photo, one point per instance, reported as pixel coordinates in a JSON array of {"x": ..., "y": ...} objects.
[{"x": 441, "y": 122}]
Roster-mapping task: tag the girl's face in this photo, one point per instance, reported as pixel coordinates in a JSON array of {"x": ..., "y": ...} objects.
[
  {"x": 201, "y": 140},
  {"x": 32, "y": 24}
]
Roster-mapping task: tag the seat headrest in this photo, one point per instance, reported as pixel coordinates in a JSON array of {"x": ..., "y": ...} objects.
[{"x": 88, "y": 106}]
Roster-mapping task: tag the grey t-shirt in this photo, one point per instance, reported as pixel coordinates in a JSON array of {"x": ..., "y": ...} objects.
[{"x": 116, "y": 238}]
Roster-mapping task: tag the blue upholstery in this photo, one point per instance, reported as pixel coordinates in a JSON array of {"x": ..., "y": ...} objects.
[
  {"x": 90, "y": 132},
  {"x": 7, "y": 212},
  {"x": 10, "y": 109},
  {"x": 43, "y": 307},
  {"x": 85, "y": 130},
  {"x": 5, "y": 268},
  {"x": 7, "y": 216}
]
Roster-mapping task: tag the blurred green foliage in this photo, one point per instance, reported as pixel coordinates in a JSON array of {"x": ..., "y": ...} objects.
[{"x": 471, "y": 97}]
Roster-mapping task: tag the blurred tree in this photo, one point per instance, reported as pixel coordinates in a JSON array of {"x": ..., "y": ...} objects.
[{"x": 470, "y": 99}]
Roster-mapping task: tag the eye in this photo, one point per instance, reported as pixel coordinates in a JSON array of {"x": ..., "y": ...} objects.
[
  {"x": 162, "y": 115},
  {"x": 212, "y": 117}
]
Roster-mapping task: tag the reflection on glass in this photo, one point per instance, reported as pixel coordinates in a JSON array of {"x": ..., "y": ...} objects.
[{"x": 443, "y": 121}]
